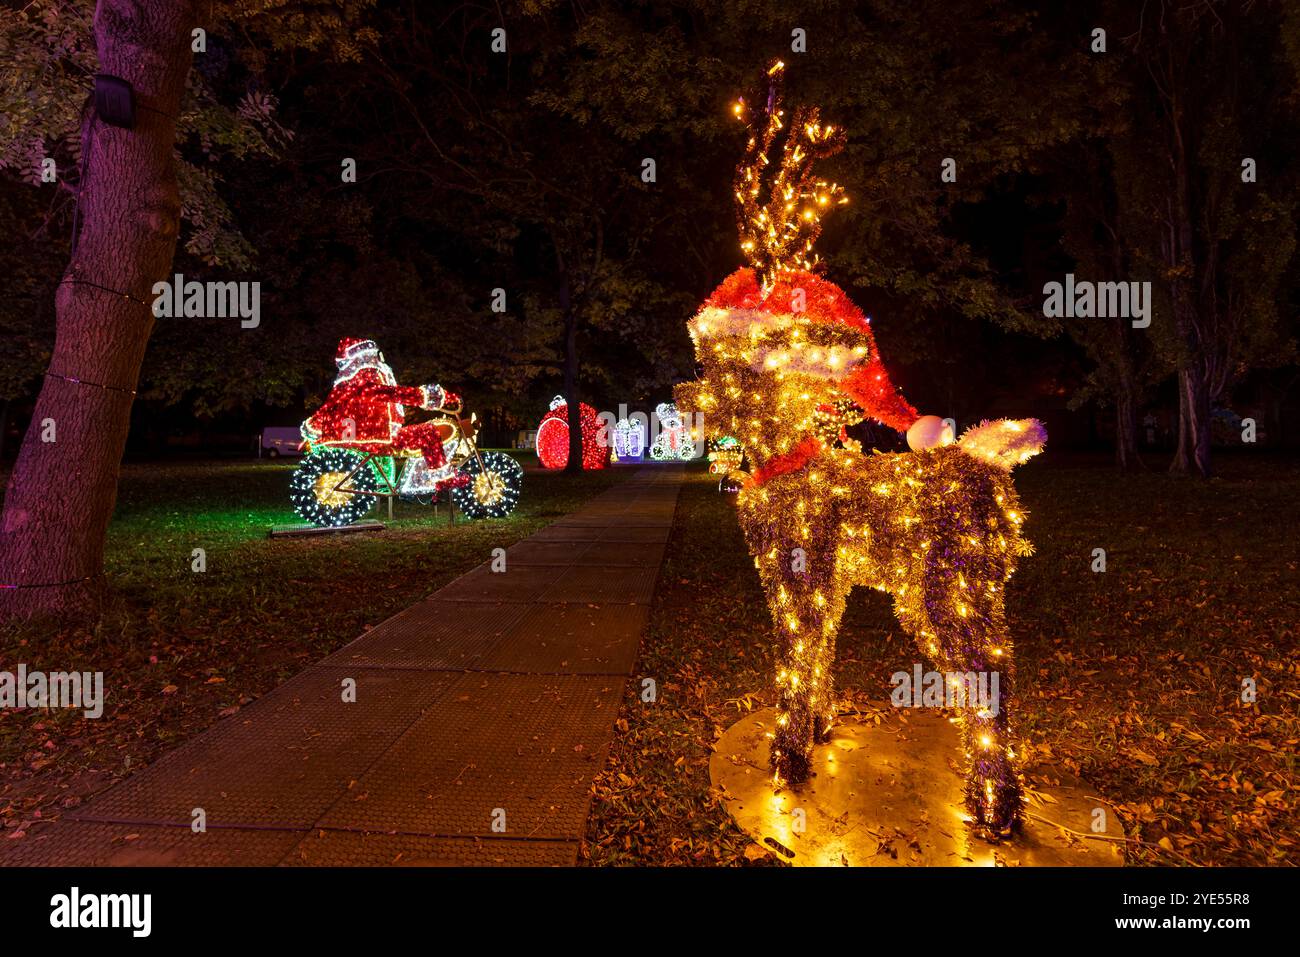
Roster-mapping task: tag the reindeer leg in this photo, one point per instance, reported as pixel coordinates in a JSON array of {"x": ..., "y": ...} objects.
[
  {"x": 972, "y": 639},
  {"x": 806, "y": 610},
  {"x": 993, "y": 794}
]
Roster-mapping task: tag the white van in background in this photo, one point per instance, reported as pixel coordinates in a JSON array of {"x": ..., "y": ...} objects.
[{"x": 277, "y": 441}]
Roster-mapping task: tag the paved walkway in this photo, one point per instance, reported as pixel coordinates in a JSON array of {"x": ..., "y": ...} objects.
[{"x": 481, "y": 715}]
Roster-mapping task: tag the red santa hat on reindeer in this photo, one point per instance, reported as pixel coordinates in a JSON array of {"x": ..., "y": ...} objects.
[{"x": 744, "y": 305}]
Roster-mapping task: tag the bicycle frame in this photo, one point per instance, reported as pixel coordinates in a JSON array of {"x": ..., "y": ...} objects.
[{"x": 466, "y": 448}]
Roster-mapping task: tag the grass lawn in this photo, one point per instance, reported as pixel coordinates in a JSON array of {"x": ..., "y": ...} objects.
[
  {"x": 180, "y": 649},
  {"x": 1131, "y": 679}
]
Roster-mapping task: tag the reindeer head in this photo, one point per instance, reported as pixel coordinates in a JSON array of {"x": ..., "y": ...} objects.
[
  {"x": 787, "y": 358},
  {"x": 774, "y": 379}
]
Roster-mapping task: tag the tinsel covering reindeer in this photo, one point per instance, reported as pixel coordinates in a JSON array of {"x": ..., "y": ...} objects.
[{"x": 788, "y": 362}]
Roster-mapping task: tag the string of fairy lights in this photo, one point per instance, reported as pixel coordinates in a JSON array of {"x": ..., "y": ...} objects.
[
  {"x": 938, "y": 529},
  {"x": 78, "y": 380},
  {"x": 777, "y": 230}
]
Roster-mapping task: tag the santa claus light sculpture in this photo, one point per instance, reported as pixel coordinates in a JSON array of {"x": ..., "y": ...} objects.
[{"x": 358, "y": 442}]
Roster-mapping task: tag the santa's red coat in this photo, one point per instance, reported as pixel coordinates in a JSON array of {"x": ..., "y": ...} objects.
[{"x": 374, "y": 407}]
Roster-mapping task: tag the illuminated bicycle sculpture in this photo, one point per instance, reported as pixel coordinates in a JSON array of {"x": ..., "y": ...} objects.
[{"x": 338, "y": 484}]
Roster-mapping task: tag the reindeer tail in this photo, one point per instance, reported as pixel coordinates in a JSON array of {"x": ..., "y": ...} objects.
[{"x": 1005, "y": 443}]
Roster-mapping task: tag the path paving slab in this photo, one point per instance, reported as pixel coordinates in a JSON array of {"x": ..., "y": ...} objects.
[
  {"x": 616, "y": 585},
  {"x": 617, "y": 554},
  {"x": 89, "y": 844},
  {"x": 586, "y": 519},
  {"x": 657, "y": 534},
  {"x": 647, "y": 516},
  {"x": 546, "y": 553},
  {"x": 568, "y": 533},
  {"x": 518, "y": 583},
  {"x": 281, "y": 762},
  {"x": 572, "y": 639},
  {"x": 434, "y": 634},
  {"x": 527, "y": 744}
]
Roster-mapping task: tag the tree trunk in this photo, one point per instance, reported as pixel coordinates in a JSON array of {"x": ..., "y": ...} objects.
[
  {"x": 1126, "y": 425},
  {"x": 1193, "y": 454},
  {"x": 571, "y": 378},
  {"x": 1126, "y": 361},
  {"x": 63, "y": 486}
]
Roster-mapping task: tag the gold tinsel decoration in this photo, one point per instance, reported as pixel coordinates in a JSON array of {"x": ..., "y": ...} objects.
[{"x": 938, "y": 530}]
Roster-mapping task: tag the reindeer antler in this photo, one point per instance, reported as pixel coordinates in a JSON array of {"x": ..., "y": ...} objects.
[{"x": 777, "y": 231}]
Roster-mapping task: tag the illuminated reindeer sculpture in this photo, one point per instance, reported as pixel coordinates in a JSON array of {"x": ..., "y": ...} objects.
[{"x": 788, "y": 362}]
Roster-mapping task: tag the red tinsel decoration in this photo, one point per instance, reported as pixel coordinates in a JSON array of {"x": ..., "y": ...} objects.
[{"x": 792, "y": 461}]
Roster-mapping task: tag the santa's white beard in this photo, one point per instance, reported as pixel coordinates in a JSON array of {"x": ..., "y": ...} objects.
[{"x": 366, "y": 362}]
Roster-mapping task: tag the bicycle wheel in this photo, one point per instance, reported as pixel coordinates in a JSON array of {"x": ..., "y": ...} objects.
[
  {"x": 316, "y": 492},
  {"x": 495, "y": 480}
]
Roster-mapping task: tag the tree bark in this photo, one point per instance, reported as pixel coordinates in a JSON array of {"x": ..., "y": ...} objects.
[
  {"x": 61, "y": 493},
  {"x": 1186, "y": 275},
  {"x": 1126, "y": 425},
  {"x": 1126, "y": 391},
  {"x": 571, "y": 378},
  {"x": 1193, "y": 454}
]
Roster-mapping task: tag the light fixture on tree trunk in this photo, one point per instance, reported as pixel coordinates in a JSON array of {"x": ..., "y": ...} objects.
[{"x": 114, "y": 101}]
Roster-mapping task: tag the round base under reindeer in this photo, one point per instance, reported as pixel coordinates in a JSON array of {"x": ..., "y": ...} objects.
[{"x": 884, "y": 794}]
